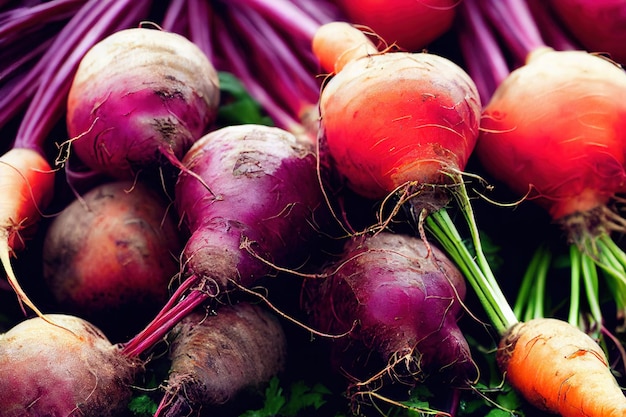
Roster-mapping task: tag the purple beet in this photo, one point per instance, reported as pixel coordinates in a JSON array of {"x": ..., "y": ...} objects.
[
  {"x": 398, "y": 305},
  {"x": 140, "y": 98},
  {"x": 222, "y": 358},
  {"x": 251, "y": 201},
  {"x": 263, "y": 201}
]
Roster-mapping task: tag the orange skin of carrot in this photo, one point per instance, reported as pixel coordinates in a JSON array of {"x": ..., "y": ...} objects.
[
  {"x": 393, "y": 118},
  {"x": 560, "y": 369},
  {"x": 556, "y": 128},
  {"x": 27, "y": 187}
]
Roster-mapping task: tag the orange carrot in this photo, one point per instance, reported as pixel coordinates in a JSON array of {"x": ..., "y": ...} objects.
[
  {"x": 560, "y": 369},
  {"x": 26, "y": 185}
]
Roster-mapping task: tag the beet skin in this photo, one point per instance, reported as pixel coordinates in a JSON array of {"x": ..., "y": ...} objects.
[
  {"x": 68, "y": 368},
  {"x": 219, "y": 358},
  {"x": 260, "y": 203},
  {"x": 393, "y": 298}
]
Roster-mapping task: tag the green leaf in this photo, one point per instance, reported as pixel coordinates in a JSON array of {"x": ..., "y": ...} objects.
[
  {"x": 509, "y": 399},
  {"x": 274, "y": 401},
  {"x": 469, "y": 407},
  {"x": 496, "y": 412},
  {"x": 299, "y": 398},
  {"x": 236, "y": 105},
  {"x": 142, "y": 405},
  {"x": 419, "y": 398},
  {"x": 491, "y": 250},
  {"x": 303, "y": 396}
]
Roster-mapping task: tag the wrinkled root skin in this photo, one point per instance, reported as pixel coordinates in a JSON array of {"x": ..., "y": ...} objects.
[
  {"x": 397, "y": 306},
  {"x": 265, "y": 205},
  {"x": 143, "y": 108},
  {"x": 219, "y": 358},
  {"x": 74, "y": 371},
  {"x": 111, "y": 255}
]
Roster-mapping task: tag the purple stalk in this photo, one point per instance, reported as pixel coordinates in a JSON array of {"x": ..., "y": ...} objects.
[
  {"x": 240, "y": 68},
  {"x": 20, "y": 81},
  {"x": 16, "y": 66},
  {"x": 167, "y": 318},
  {"x": 181, "y": 290},
  {"x": 304, "y": 68},
  {"x": 287, "y": 78},
  {"x": 285, "y": 13},
  {"x": 20, "y": 91},
  {"x": 95, "y": 20},
  {"x": 483, "y": 56},
  {"x": 200, "y": 17},
  {"x": 266, "y": 44},
  {"x": 20, "y": 3},
  {"x": 320, "y": 11},
  {"x": 21, "y": 32},
  {"x": 175, "y": 19},
  {"x": 551, "y": 28},
  {"x": 15, "y": 21},
  {"x": 513, "y": 21}
]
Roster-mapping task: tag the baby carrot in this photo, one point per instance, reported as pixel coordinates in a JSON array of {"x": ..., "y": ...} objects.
[{"x": 560, "y": 369}]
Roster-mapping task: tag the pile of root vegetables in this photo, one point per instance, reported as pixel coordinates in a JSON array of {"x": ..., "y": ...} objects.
[{"x": 288, "y": 208}]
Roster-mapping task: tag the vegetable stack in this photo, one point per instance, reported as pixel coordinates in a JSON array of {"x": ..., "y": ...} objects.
[{"x": 286, "y": 207}]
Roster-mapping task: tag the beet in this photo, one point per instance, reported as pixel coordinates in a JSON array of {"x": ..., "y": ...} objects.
[
  {"x": 398, "y": 306},
  {"x": 263, "y": 203},
  {"x": 251, "y": 200},
  {"x": 110, "y": 255},
  {"x": 68, "y": 368},
  {"x": 223, "y": 357},
  {"x": 139, "y": 100}
]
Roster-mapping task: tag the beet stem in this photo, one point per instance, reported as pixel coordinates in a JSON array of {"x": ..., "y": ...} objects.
[
  {"x": 485, "y": 61},
  {"x": 173, "y": 311},
  {"x": 93, "y": 21},
  {"x": 514, "y": 22}
]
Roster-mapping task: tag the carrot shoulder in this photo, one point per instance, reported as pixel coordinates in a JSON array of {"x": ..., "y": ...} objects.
[{"x": 560, "y": 369}]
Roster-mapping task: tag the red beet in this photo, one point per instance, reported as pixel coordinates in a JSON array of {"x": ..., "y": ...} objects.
[
  {"x": 112, "y": 254},
  {"x": 251, "y": 199},
  {"x": 397, "y": 22},
  {"x": 264, "y": 198},
  {"x": 139, "y": 99},
  {"x": 398, "y": 304},
  {"x": 68, "y": 368},
  {"x": 597, "y": 25}
]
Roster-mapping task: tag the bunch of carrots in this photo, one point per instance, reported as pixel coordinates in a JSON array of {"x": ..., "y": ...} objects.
[{"x": 211, "y": 196}]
